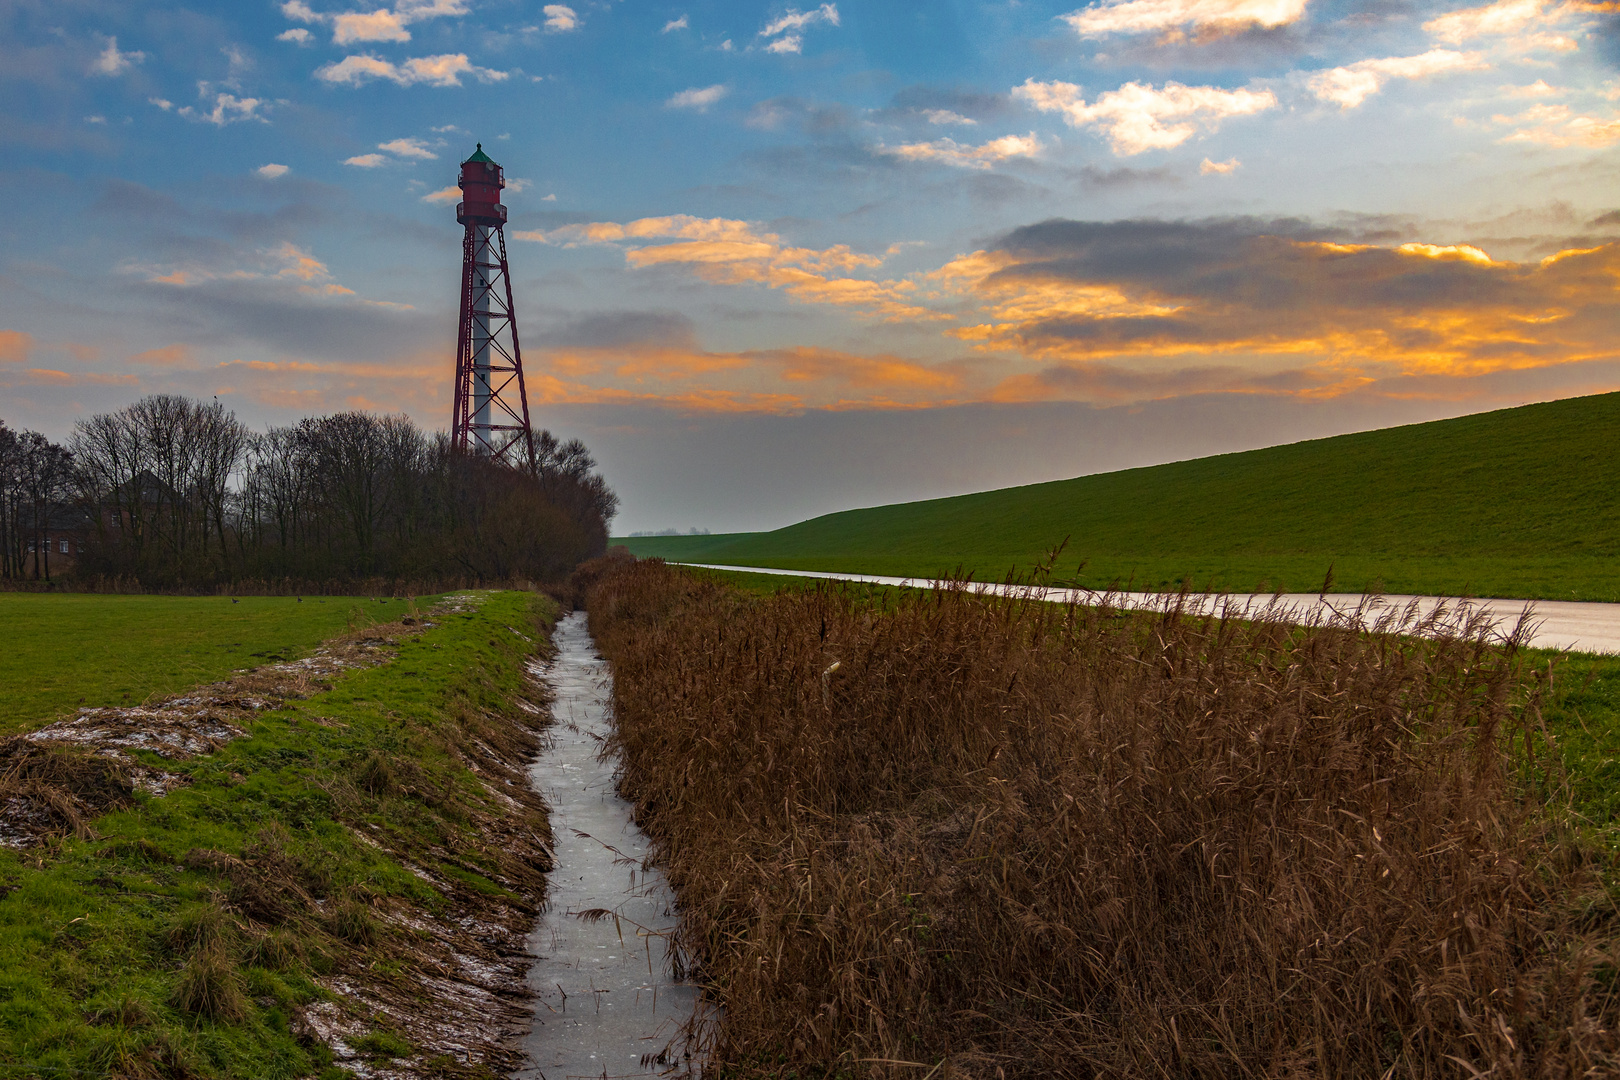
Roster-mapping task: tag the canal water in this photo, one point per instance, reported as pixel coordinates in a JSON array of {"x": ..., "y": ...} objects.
[{"x": 607, "y": 1002}]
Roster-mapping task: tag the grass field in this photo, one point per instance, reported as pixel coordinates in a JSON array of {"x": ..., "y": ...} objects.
[
  {"x": 64, "y": 649},
  {"x": 186, "y": 935},
  {"x": 1514, "y": 503}
]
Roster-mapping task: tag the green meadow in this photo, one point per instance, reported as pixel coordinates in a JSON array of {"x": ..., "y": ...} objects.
[
  {"x": 125, "y": 951},
  {"x": 1514, "y": 503},
  {"x": 63, "y": 650}
]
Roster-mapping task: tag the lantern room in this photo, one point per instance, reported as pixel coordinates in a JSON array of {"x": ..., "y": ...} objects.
[{"x": 481, "y": 184}]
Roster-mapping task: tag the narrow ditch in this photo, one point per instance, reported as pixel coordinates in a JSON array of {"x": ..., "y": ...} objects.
[{"x": 607, "y": 1001}]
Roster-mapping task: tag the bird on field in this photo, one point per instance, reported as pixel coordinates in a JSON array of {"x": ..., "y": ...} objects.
[{"x": 234, "y": 600}]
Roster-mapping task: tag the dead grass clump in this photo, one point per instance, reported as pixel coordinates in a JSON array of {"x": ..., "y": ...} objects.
[
  {"x": 376, "y": 775},
  {"x": 50, "y": 788},
  {"x": 1044, "y": 840},
  {"x": 352, "y": 921},
  {"x": 278, "y": 950},
  {"x": 210, "y": 986},
  {"x": 201, "y": 927}
]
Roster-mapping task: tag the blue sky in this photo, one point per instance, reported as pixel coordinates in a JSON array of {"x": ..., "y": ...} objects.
[{"x": 772, "y": 260}]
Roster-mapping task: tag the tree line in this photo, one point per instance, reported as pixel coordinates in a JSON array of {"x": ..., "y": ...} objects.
[{"x": 179, "y": 493}]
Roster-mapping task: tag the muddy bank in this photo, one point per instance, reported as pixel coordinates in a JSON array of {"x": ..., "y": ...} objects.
[{"x": 331, "y": 863}]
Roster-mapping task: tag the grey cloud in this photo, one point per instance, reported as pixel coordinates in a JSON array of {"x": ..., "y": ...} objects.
[
  {"x": 1122, "y": 176},
  {"x": 1250, "y": 261},
  {"x": 915, "y": 102},
  {"x": 807, "y": 116},
  {"x": 299, "y": 205},
  {"x": 619, "y": 329},
  {"x": 278, "y": 315}
]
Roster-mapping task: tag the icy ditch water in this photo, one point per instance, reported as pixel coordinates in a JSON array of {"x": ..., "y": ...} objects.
[{"x": 607, "y": 1002}]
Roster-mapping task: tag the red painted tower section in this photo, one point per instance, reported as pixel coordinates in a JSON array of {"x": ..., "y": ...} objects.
[{"x": 492, "y": 408}]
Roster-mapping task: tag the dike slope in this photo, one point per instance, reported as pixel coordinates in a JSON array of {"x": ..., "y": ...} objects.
[{"x": 1514, "y": 503}]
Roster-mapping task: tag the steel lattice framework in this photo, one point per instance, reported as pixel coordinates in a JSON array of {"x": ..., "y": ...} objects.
[{"x": 491, "y": 416}]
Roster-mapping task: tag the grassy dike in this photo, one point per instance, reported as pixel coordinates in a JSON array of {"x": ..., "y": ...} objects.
[
  {"x": 1512, "y": 503},
  {"x": 356, "y": 873}
]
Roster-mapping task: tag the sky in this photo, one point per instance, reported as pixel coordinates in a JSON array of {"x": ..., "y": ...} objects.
[{"x": 773, "y": 260}]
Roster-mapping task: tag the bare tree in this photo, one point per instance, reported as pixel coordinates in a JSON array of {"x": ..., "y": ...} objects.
[{"x": 183, "y": 494}]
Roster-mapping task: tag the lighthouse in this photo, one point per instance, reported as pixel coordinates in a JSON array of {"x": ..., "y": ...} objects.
[{"x": 491, "y": 415}]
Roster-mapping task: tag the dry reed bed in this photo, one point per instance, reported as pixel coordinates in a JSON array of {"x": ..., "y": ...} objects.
[{"x": 1012, "y": 838}]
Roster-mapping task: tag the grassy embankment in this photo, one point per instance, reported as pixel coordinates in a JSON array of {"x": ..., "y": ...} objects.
[
  {"x": 1516, "y": 503},
  {"x": 296, "y": 885},
  {"x": 67, "y": 649},
  {"x": 1035, "y": 841}
]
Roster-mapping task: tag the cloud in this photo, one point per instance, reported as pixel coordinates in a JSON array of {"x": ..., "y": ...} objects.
[
  {"x": 1560, "y": 126},
  {"x": 1353, "y": 84},
  {"x": 653, "y": 359},
  {"x": 788, "y": 29},
  {"x": 1270, "y": 295},
  {"x": 796, "y": 20},
  {"x": 297, "y": 34},
  {"x": 560, "y": 18},
  {"x": 675, "y": 24},
  {"x": 113, "y": 62},
  {"x": 951, "y": 152},
  {"x": 1502, "y": 19},
  {"x": 15, "y": 346},
  {"x": 163, "y": 103},
  {"x": 1146, "y": 16},
  {"x": 380, "y": 25},
  {"x": 549, "y": 198},
  {"x": 409, "y": 148},
  {"x": 283, "y": 264},
  {"x": 728, "y": 252},
  {"x": 272, "y": 171},
  {"x": 697, "y": 98},
  {"x": 1218, "y": 168},
  {"x": 1539, "y": 88},
  {"x": 1138, "y": 118},
  {"x": 228, "y": 109},
  {"x": 945, "y": 116},
  {"x": 444, "y": 195},
  {"x": 366, "y": 161},
  {"x": 443, "y": 70},
  {"x": 168, "y": 356}
]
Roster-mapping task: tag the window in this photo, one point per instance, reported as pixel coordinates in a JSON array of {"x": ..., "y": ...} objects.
[{"x": 64, "y": 547}]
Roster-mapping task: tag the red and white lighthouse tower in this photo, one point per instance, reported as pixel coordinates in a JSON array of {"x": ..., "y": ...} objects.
[{"x": 492, "y": 408}]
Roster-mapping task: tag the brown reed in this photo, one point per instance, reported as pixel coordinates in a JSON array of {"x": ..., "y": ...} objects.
[{"x": 1005, "y": 838}]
